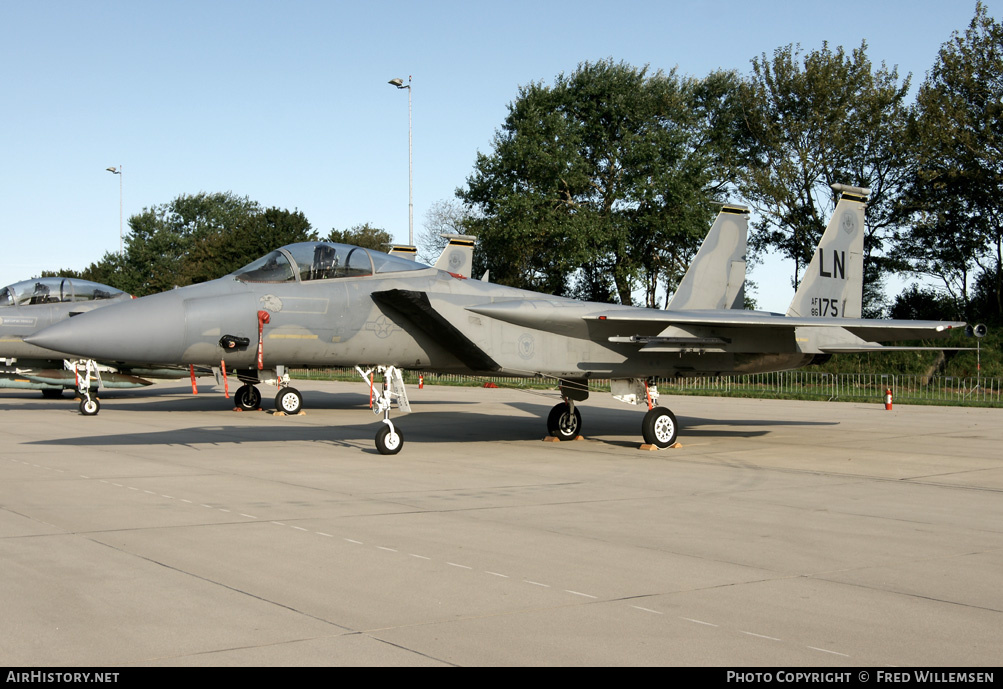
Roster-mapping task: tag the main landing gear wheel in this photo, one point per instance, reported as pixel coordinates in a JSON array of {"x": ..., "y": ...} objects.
[
  {"x": 247, "y": 398},
  {"x": 564, "y": 423},
  {"x": 289, "y": 400},
  {"x": 89, "y": 406},
  {"x": 659, "y": 427},
  {"x": 389, "y": 441},
  {"x": 52, "y": 394}
]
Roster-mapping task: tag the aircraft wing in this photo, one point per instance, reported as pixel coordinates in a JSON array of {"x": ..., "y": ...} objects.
[
  {"x": 416, "y": 307},
  {"x": 560, "y": 317},
  {"x": 875, "y": 347}
]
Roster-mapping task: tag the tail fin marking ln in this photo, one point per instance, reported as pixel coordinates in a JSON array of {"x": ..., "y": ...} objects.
[{"x": 833, "y": 285}]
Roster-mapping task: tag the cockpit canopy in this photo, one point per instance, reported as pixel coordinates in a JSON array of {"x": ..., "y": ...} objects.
[
  {"x": 55, "y": 291},
  {"x": 322, "y": 261}
]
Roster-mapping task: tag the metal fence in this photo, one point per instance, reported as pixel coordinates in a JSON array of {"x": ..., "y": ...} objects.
[
  {"x": 848, "y": 386},
  {"x": 788, "y": 384}
]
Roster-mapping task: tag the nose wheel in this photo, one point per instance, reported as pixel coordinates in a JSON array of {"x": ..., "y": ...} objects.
[
  {"x": 89, "y": 405},
  {"x": 389, "y": 440}
]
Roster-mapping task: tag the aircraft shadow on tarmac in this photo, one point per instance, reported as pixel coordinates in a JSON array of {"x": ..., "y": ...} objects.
[
  {"x": 430, "y": 427},
  {"x": 117, "y": 401},
  {"x": 615, "y": 427}
]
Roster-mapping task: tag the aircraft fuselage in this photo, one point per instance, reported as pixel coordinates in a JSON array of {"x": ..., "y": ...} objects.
[{"x": 421, "y": 320}]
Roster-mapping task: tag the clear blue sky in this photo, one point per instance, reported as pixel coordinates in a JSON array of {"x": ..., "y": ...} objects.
[{"x": 288, "y": 102}]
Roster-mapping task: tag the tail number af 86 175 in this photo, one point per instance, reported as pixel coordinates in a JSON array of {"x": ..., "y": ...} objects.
[{"x": 821, "y": 306}]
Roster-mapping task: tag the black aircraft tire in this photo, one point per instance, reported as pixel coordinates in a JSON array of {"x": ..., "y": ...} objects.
[
  {"x": 247, "y": 398},
  {"x": 52, "y": 393},
  {"x": 563, "y": 425},
  {"x": 289, "y": 400},
  {"x": 659, "y": 427},
  {"x": 389, "y": 443},
  {"x": 89, "y": 406}
]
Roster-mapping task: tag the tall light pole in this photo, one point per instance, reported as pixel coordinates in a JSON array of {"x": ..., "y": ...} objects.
[
  {"x": 399, "y": 83},
  {"x": 118, "y": 171}
]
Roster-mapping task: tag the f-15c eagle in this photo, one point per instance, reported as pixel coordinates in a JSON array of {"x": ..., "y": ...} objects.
[{"x": 319, "y": 304}]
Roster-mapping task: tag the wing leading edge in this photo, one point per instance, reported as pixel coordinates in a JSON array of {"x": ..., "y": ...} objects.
[{"x": 416, "y": 307}]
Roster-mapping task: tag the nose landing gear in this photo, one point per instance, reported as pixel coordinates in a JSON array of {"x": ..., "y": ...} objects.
[
  {"x": 389, "y": 439},
  {"x": 86, "y": 371}
]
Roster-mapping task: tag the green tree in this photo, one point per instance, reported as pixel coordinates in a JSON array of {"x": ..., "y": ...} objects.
[
  {"x": 923, "y": 304},
  {"x": 956, "y": 196},
  {"x": 984, "y": 304},
  {"x": 824, "y": 118},
  {"x": 177, "y": 243},
  {"x": 226, "y": 248},
  {"x": 364, "y": 235},
  {"x": 593, "y": 182},
  {"x": 195, "y": 238}
]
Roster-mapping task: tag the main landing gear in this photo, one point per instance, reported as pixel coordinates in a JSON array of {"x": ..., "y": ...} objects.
[
  {"x": 565, "y": 421},
  {"x": 248, "y": 398},
  {"x": 658, "y": 428},
  {"x": 389, "y": 439},
  {"x": 289, "y": 400}
]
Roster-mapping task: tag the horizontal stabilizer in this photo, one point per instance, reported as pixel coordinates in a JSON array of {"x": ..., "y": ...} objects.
[{"x": 879, "y": 330}]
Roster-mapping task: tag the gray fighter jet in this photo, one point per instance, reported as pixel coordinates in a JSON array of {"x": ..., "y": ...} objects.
[
  {"x": 27, "y": 307},
  {"x": 31, "y": 305},
  {"x": 715, "y": 279},
  {"x": 319, "y": 304}
]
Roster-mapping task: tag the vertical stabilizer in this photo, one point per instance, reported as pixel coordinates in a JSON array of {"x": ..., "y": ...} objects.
[
  {"x": 458, "y": 256},
  {"x": 716, "y": 277},
  {"x": 833, "y": 285},
  {"x": 404, "y": 251}
]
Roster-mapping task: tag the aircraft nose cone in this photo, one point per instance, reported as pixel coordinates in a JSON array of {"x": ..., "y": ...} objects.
[{"x": 147, "y": 330}]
